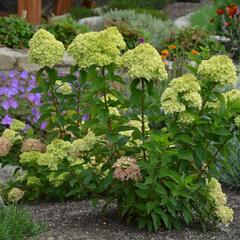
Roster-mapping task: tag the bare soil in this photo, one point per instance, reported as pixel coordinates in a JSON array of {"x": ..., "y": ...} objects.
[{"x": 80, "y": 221}]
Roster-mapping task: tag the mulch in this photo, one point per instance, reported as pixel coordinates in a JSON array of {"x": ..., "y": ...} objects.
[{"x": 78, "y": 220}]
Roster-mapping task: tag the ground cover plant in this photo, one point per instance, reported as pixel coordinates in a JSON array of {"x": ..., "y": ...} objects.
[
  {"x": 152, "y": 153},
  {"x": 17, "y": 224}
]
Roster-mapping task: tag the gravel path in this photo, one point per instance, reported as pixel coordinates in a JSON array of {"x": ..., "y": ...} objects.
[
  {"x": 79, "y": 221},
  {"x": 179, "y": 9}
]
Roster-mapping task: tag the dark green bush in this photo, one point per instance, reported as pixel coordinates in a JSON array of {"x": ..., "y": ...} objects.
[
  {"x": 125, "y": 4},
  {"x": 17, "y": 224},
  {"x": 65, "y": 29},
  {"x": 15, "y": 32},
  {"x": 81, "y": 12}
]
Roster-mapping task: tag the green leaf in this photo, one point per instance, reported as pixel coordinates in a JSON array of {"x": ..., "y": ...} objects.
[
  {"x": 160, "y": 190},
  {"x": 186, "y": 215},
  {"x": 185, "y": 138},
  {"x": 164, "y": 216},
  {"x": 156, "y": 220},
  {"x": 185, "y": 154},
  {"x": 142, "y": 193},
  {"x": 150, "y": 206}
]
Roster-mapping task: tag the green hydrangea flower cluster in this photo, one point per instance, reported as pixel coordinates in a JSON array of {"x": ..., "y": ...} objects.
[
  {"x": 144, "y": 61},
  {"x": 224, "y": 213},
  {"x": 12, "y": 135},
  {"x": 84, "y": 144},
  {"x": 57, "y": 179},
  {"x": 17, "y": 125},
  {"x": 63, "y": 87},
  {"x": 15, "y": 195},
  {"x": 97, "y": 48},
  {"x": 182, "y": 93},
  {"x": 45, "y": 50},
  {"x": 54, "y": 155},
  {"x": 229, "y": 96},
  {"x": 218, "y": 69},
  {"x": 33, "y": 181}
]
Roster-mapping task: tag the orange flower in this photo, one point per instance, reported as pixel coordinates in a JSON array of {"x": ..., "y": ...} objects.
[
  {"x": 220, "y": 11},
  {"x": 172, "y": 47},
  {"x": 194, "y": 52},
  {"x": 231, "y": 10},
  {"x": 165, "y": 53}
]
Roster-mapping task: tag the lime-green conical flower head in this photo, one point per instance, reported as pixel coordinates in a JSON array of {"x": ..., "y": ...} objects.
[
  {"x": 45, "y": 50},
  {"x": 182, "y": 93},
  {"x": 144, "y": 61},
  {"x": 219, "y": 69},
  {"x": 97, "y": 48}
]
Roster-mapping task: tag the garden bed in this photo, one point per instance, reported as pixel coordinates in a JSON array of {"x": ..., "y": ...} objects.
[{"x": 78, "y": 220}]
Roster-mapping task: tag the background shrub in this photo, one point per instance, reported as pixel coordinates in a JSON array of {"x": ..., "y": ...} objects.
[
  {"x": 65, "y": 29},
  {"x": 15, "y": 32},
  {"x": 81, "y": 12},
  {"x": 155, "y": 30}
]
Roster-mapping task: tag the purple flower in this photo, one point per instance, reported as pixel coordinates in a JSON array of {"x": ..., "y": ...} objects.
[
  {"x": 35, "y": 98},
  {"x": 9, "y": 92},
  {"x": 141, "y": 40},
  {"x": 11, "y": 73},
  {"x": 27, "y": 127},
  {"x": 7, "y": 120},
  {"x": 24, "y": 74},
  {"x": 10, "y": 102},
  {"x": 85, "y": 117},
  {"x": 43, "y": 125},
  {"x": 14, "y": 83}
]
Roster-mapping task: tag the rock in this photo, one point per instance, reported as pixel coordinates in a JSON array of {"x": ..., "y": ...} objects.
[
  {"x": 67, "y": 60},
  {"x": 6, "y": 174},
  {"x": 23, "y": 63},
  {"x": 183, "y": 21},
  {"x": 95, "y": 23}
]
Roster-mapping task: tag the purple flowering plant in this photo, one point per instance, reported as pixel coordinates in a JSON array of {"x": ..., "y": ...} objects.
[{"x": 17, "y": 100}]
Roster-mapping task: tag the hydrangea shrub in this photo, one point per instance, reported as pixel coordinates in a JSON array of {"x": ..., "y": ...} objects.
[{"x": 154, "y": 154}]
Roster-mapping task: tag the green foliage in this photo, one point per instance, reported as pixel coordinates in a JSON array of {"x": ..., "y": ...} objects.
[
  {"x": 231, "y": 176},
  {"x": 154, "y": 30},
  {"x": 15, "y": 32},
  {"x": 17, "y": 224},
  {"x": 65, "y": 29},
  {"x": 187, "y": 44},
  {"x": 125, "y": 4},
  {"x": 82, "y": 12}
]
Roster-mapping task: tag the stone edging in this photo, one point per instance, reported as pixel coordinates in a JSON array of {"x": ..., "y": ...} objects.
[{"x": 15, "y": 58}]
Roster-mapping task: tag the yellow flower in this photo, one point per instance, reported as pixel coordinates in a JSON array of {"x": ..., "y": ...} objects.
[
  {"x": 219, "y": 69},
  {"x": 97, "y": 48},
  {"x": 144, "y": 62},
  {"x": 45, "y": 50}
]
